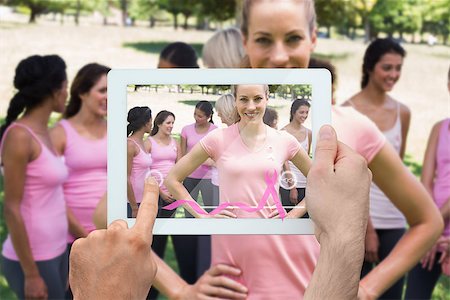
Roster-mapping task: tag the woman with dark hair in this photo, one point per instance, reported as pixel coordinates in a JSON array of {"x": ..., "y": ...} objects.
[
  {"x": 138, "y": 156},
  {"x": 178, "y": 55},
  {"x": 81, "y": 138},
  {"x": 165, "y": 151},
  {"x": 200, "y": 179},
  {"x": 298, "y": 115},
  {"x": 381, "y": 70},
  {"x": 34, "y": 257}
]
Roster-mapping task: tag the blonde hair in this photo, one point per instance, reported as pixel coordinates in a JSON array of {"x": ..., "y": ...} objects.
[
  {"x": 235, "y": 87},
  {"x": 224, "y": 49},
  {"x": 309, "y": 9},
  {"x": 226, "y": 108},
  {"x": 310, "y": 12}
]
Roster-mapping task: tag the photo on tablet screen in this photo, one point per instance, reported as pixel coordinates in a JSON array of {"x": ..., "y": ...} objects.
[{"x": 172, "y": 110}]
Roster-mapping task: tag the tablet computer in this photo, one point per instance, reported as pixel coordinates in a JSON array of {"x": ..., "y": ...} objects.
[{"x": 178, "y": 90}]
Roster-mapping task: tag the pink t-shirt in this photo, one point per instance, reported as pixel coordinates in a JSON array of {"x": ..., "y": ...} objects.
[
  {"x": 139, "y": 170},
  {"x": 164, "y": 158},
  {"x": 192, "y": 138},
  {"x": 42, "y": 208},
  {"x": 274, "y": 266},
  {"x": 86, "y": 185}
]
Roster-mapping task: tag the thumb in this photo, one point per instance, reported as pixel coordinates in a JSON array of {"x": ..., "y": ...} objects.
[{"x": 326, "y": 149}]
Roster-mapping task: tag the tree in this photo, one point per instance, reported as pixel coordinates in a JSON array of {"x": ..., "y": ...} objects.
[
  {"x": 144, "y": 10},
  {"x": 363, "y": 8},
  {"x": 329, "y": 13},
  {"x": 36, "y": 7},
  {"x": 436, "y": 18}
]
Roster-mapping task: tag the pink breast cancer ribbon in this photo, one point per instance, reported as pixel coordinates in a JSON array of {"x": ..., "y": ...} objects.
[{"x": 270, "y": 191}]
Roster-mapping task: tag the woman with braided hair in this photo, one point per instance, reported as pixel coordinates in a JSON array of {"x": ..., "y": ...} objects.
[
  {"x": 34, "y": 257},
  {"x": 138, "y": 156}
]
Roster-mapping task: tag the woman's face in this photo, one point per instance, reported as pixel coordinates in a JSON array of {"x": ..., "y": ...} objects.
[
  {"x": 387, "y": 71},
  {"x": 301, "y": 114},
  {"x": 251, "y": 103},
  {"x": 96, "y": 98},
  {"x": 167, "y": 126},
  {"x": 60, "y": 98},
  {"x": 200, "y": 117},
  {"x": 279, "y": 35}
]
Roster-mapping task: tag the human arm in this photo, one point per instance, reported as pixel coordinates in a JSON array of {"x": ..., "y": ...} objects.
[
  {"x": 185, "y": 166},
  {"x": 429, "y": 160},
  {"x": 372, "y": 243},
  {"x": 213, "y": 283},
  {"x": 410, "y": 197},
  {"x": 302, "y": 161},
  {"x": 445, "y": 209},
  {"x": 19, "y": 148},
  {"x": 293, "y": 193},
  {"x": 75, "y": 227},
  {"x": 131, "y": 153},
  {"x": 405, "y": 118},
  {"x": 58, "y": 138},
  {"x": 183, "y": 146},
  {"x": 91, "y": 273},
  {"x": 339, "y": 175}
]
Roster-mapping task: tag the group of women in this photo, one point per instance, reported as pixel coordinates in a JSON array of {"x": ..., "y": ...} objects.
[{"x": 275, "y": 34}]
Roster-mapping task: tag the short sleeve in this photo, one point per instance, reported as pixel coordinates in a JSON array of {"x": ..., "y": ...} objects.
[
  {"x": 291, "y": 144},
  {"x": 212, "y": 143},
  {"x": 358, "y": 132}
]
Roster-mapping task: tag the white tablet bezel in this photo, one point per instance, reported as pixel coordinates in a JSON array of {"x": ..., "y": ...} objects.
[{"x": 118, "y": 80}]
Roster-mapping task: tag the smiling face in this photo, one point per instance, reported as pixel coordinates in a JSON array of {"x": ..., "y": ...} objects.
[
  {"x": 279, "y": 35},
  {"x": 301, "y": 114},
  {"x": 386, "y": 72},
  {"x": 167, "y": 126},
  {"x": 200, "y": 117},
  {"x": 96, "y": 99},
  {"x": 251, "y": 102}
]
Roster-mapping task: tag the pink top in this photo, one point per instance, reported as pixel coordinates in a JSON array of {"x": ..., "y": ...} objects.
[
  {"x": 441, "y": 190},
  {"x": 42, "y": 208},
  {"x": 284, "y": 263},
  {"x": 192, "y": 138},
  {"x": 86, "y": 185},
  {"x": 164, "y": 158},
  {"x": 139, "y": 171}
]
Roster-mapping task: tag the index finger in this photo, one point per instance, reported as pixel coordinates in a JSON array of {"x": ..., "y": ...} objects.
[{"x": 148, "y": 209}]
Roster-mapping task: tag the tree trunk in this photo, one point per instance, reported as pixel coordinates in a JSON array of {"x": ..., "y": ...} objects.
[
  {"x": 175, "y": 20},
  {"x": 77, "y": 12},
  {"x": 366, "y": 29},
  {"x": 186, "y": 17},
  {"x": 329, "y": 31},
  {"x": 445, "y": 39},
  {"x": 33, "y": 15},
  {"x": 152, "y": 21},
  {"x": 123, "y": 6}
]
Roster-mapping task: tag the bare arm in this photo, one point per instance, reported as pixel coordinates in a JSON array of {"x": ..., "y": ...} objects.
[
  {"x": 75, "y": 228},
  {"x": 131, "y": 153},
  {"x": 445, "y": 210},
  {"x": 405, "y": 118},
  {"x": 17, "y": 153},
  {"x": 429, "y": 160},
  {"x": 185, "y": 166},
  {"x": 302, "y": 161},
  {"x": 183, "y": 146},
  {"x": 337, "y": 174},
  {"x": 409, "y": 196}
]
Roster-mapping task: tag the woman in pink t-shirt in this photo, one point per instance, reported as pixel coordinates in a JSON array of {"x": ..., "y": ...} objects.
[
  {"x": 34, "y": 256},
  {"x": 81, "y": 138},
  {"x": 436, "y": 179},
  {"x": 138, "y": 156},
  {"x": 200, "y": 179},
  {"x": 282, "y": 34}
]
